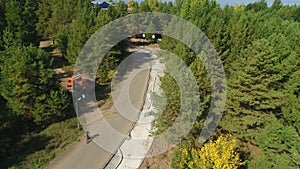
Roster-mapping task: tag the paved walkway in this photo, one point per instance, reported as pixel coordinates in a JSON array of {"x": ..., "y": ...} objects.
[
  {"x": 108, "y": 128},
  {"x": 136, "y": 147},
  {"x": 138, "y": 143}
]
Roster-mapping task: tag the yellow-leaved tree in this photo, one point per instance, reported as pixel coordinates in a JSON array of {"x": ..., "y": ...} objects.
[
  {"x": 131, "y": 4},
  {"x": 218, "y": 154}
]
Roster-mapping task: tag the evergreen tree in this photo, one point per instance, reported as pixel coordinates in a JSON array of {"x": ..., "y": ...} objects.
[
  {"x": 166, "y": 116},
  {"x": 296, "y": 14},
  {"x": 280, "y": 145},
  {"x": 153, "y": 4},
  {"x": 44, "y": 14},
  {"x": 255, "y": 87},
  {"x": 257, "y": 6},
  {"x": 20, "y": 23},
  {"x": 120, "y": 10},
  {"x": 61, "y": 40},
  {"x": 28, "y": 85},
  {"x": 2, "y": 22},
  {"x": 102, "y": 18},
  {"x": 62, "y": 14},
  {"x": 277, "y": 4},
  {"x": 144, "y": 7},
  {"x": 80, "y": 31},
  {"x": 14, "y": 32},
  {"x": 291, "y": 111},
  {"x": 30, "y": 21}
]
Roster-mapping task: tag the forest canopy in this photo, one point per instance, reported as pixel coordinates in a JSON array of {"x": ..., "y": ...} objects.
[{"x": 258, "y": 45}]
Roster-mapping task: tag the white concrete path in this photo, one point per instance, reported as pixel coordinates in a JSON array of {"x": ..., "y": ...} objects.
[{"x": 136, "y": 147}]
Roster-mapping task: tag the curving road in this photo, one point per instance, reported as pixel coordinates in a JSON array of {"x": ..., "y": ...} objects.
[{"x": 102, "y": 124}]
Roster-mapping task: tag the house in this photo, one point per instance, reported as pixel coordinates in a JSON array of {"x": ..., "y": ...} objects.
[{"x": 104, "y": 5}]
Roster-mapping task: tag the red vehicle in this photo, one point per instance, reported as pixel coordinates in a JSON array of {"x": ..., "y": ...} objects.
[
  {"x": 78, "y": 82},
  {"x": 72, "y": 79}
]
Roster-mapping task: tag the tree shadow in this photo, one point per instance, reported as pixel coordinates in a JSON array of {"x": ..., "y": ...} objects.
[
  {"x": 48, "y": 49},
  {"x": 19, "y": 150},
  {"x": 59, "y": 62},
  {"x": 102, "y": 91},
  {"x": 122, "y": 70},
  {"x": 142, "y": 43}
]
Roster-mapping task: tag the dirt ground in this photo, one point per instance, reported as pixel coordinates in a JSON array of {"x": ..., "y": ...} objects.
[
  {"x": 58, "y": 61},
  {"x": 156, "y": 162},
  {"x": 160, "y": 161}
]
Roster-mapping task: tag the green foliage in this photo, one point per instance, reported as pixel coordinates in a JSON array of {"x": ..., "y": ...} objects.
[
  {"x": 61, "y": 41},
  {"x": 80, "y": 31},
  {"x": 54, "y": 15},
  {"x": 2, "y": 22},
  {"x": 103, "y": 18},
  {"x": 38, "y": 149},
  {"x": 255, "y": 88},
  {"x": 296, "y": 14},
  {"x": 30, "y": 18},
  {"x": 277, "y": 4},
  {"x": 259, "y": 46},
  {"x": 5, "y": 114},
  {"x": 118, "y": 10},
  {"x": 108, "y": 64},
  {"x": 280, "y": 145},
  {"x": 144, "y": 7},
  {"x": 257, "y": 6},
  {"x": 218, "y": 154},
  {"x": 51, "y": 107},
  {"x": 44, "y": 14},
  {"x": 20, "y": 23},
  {"x": 13, "y": 33},
  {"x": 291, "y": 111},
  {"x": 166, "y": 116},
  {"x": 131, "y": 4},
  {"x": 28, "y": 84},
  {"x": 62, "y": 14},
  {"x": 153, "y": 4}
]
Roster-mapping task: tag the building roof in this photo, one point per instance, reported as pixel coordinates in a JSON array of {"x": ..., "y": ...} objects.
[{"x": 103, "y": 5}]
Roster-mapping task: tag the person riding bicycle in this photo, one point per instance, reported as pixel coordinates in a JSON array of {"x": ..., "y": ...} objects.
[{"x": 88, "y": 138}]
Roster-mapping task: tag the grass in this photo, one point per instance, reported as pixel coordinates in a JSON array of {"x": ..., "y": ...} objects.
[{"x": 41, "y": 148}]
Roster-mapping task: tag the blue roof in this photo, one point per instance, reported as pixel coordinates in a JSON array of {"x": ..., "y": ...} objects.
[{"x": 103, "y": 5}]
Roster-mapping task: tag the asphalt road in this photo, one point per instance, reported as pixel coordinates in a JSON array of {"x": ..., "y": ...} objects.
[{"x": 109, "y": 128}]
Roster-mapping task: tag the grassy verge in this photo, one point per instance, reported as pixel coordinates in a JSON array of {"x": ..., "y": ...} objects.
[{"x": 41, "y": 148}]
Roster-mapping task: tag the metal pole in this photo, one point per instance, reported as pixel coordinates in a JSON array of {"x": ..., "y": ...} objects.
[{"x": 76, "y": 105}]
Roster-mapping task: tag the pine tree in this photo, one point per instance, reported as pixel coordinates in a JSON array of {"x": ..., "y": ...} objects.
[
  {"x": 144, "y": 7},
  {"x": 62, "y": 14},
  {"x": 30, "y": 20},
  {"x": 44, "y": 14},
  {"x": 280, "y": 145},
  {"x": 80, "y": 31},
  {"x": 153, "y": 4},
  {"x": 20, "y": 23},
  {"x": 257, "y": 6},
  {"x": 28, "y": 85},
  {"x": 2, "y": 23},
  {"x": 14, "y": 32},
  {"x": 166, "y": 116},
  {"x": 277, "y": 4},
  {"x": 120, "y": 10},
  {"x": 255, "y": 96}
]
